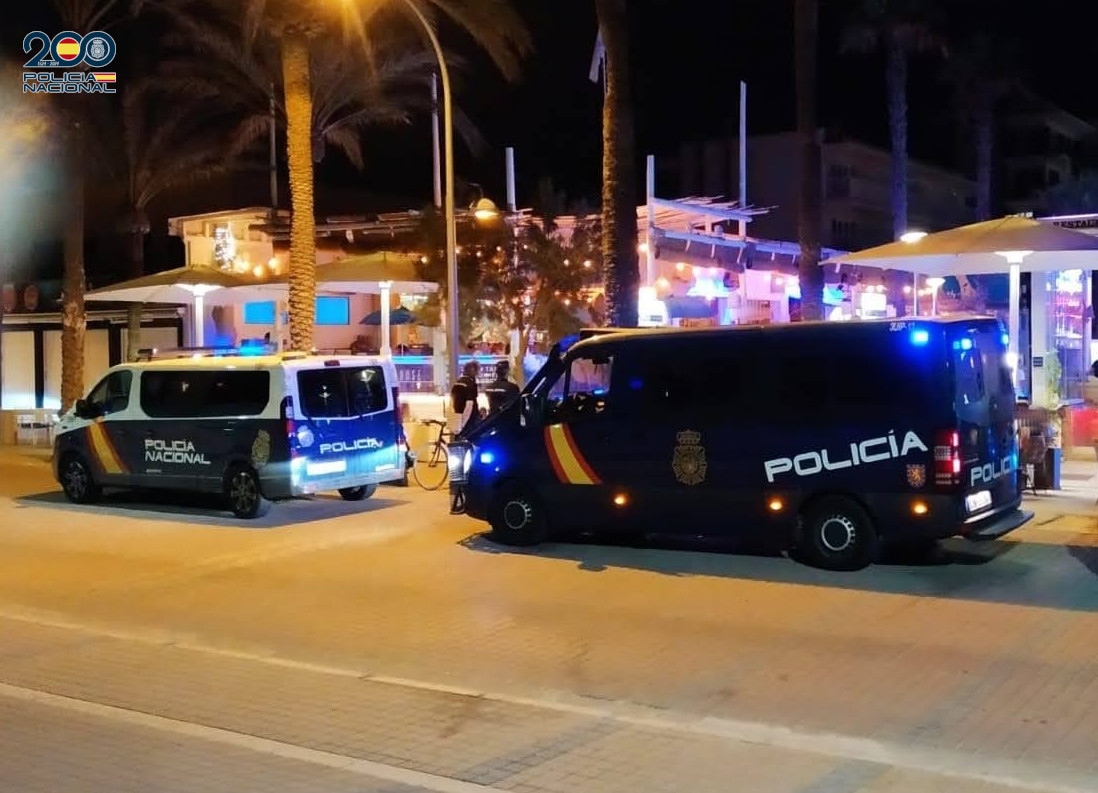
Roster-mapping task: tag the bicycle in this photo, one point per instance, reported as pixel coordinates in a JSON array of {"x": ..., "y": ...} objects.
[{"x": 430, "y": 466}]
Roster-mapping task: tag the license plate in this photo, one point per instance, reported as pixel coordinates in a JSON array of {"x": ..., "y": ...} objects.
[
  {"x": 978, "y": 500},
  {"x": 322, "y": 469}
]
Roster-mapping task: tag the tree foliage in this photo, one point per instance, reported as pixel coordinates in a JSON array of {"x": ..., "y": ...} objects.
[{"x": 541, "y": 277}]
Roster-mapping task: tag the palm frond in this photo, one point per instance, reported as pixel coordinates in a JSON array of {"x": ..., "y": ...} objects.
[
  {"x": 494, "y": 25},
  {"x": 347, "y": 140}
]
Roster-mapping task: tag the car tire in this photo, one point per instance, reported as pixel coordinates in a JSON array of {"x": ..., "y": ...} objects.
[
  {"x": 517, "y": 517},
  {"x": 77, "y": 482},
  {"x": 359, "y": 493},
  {"x": 244, "y": 493},
  {"x": 837, "y": 534}
]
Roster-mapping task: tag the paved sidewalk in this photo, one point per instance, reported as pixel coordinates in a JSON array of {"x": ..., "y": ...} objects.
[{"x": 87, "y": 713}]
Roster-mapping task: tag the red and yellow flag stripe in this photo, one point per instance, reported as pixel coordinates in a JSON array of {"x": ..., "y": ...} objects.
[
  {"x": 103, "y": 450},
  {"x": 105, "y": 77},
  {"x": 568, "y": 461}
]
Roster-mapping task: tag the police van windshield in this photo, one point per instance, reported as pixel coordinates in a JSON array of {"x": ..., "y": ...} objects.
[{"x": 344, "y": 392}]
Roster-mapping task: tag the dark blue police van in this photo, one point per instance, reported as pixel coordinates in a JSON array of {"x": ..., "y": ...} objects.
[{"x": 826, "y": 438}]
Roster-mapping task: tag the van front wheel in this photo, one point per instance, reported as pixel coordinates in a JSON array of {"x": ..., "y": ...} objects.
[
  {"x": 837, "y": 534},
  {"x": 516, "y": 517},
  {"x": 77, "y": 481},
  {"x": 244, "y": 494}
]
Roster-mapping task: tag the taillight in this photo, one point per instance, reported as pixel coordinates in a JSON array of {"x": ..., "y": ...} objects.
[
  {"x": 947, "y": 457},
  {"x": 402, "y": 440},
  {"x": 287, "y": 410}
]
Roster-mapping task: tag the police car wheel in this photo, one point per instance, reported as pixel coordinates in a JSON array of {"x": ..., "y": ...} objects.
[
  {"x": 77, "y": 481},
  {"x": 244, "y": 494},
  {"x": 357, "y": 493},
  {"x": 838, "y": 534},
  {"x": 516, "y": 517}
]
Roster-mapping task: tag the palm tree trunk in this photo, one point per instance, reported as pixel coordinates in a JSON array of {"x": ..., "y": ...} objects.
[
  {"x": 299, "y": 150},
  {"x": 896, "y": 81},
  {"x": 810, "y": 196},
  {"x": 984, "y": 124},
  {"x": 73, "y": 320},
  {"x": 619, "y": 180},
  {"x": 137, "y": 269}
]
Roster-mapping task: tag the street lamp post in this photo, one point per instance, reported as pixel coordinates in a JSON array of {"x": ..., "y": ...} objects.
[
  {"x": 935, "y": 284},
  {"x": 452, "y": 321}
]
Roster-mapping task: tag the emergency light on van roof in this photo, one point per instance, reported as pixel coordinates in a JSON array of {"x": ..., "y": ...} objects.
[{"x": 247, "y": 348}]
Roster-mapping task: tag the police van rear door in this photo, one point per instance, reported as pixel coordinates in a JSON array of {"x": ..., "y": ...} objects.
[
  {"x": 984, "y": 398},
  {"x": 345, "y": 424}
]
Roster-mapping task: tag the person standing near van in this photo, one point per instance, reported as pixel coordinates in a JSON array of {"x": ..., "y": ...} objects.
[
  {"x": 463, "y": 398},
  {"x": 501, "y": 392}
]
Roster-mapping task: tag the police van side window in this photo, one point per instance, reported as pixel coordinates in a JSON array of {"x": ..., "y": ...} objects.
[
  {"x": 204, "y": 394},
  {"x": 112, "y": 395},
  {"x": 585, "y": 391}
]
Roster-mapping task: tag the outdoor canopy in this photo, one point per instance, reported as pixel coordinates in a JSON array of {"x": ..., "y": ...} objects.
[
  {"x": 984, "y": 248},
  {"x": 1011, "y": 245}
]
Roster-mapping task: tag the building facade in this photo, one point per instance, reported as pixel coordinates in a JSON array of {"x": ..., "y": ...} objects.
[
  {"x": 1040, "y": 147},
  {"x": 856, "y": 181}
]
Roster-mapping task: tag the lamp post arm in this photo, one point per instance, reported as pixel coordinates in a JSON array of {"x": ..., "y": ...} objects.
[{"x": 452, "y": 318}]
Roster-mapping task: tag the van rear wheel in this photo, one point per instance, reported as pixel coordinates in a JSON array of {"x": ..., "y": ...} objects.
[
  {"x": 517, "y": 517},
  {"x": 244, "y": 494},
  {"x": 837, "y": 534},
  {"x": 357, "y": 493}
]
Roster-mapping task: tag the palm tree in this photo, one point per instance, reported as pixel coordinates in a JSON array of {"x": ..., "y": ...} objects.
[
  {"x": 982, "y": 71},
  {"x": 810, "y": 198},
  {"x": 350, "y": 91},
  {"x": 619, "y": 181},
  {"x": 79, "y": 158},
  {"x": 153, "y": 143},
  {"x": 296, "y": 24},
  {"x": 901, "y": 28}
]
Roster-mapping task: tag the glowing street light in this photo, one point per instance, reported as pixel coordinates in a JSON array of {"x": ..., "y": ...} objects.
[
  {"x": 485, "y": 210},
  {"x": 911, "y": 237}
]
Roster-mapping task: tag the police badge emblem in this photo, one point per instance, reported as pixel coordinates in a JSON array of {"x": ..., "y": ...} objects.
[
  {"x": 916, "y": 475},
  {"x": 261, "y": 449},
  {"x": 689, "y": 463}
]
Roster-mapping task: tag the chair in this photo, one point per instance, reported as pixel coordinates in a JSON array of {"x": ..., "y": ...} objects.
[{"x": 30, "y": 429}]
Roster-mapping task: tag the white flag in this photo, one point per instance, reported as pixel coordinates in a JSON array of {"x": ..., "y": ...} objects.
[{"x": 598, "y": 60}]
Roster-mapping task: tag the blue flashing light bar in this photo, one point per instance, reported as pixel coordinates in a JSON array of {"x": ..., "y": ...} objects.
[
  {"x": 920, "y": 337},
  {"x": 963, "y": 344}
]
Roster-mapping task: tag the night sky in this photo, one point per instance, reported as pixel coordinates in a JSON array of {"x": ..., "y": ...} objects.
[{"x": 689, "y": 56}]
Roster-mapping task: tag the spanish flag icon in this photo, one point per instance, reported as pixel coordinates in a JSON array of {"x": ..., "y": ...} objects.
[
  {"x": 105, "y": 77},
  {"x": 68, "y": 49}
]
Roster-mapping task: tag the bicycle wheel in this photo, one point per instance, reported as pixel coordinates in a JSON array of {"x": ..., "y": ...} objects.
[{"x": 430, "y": 469}]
